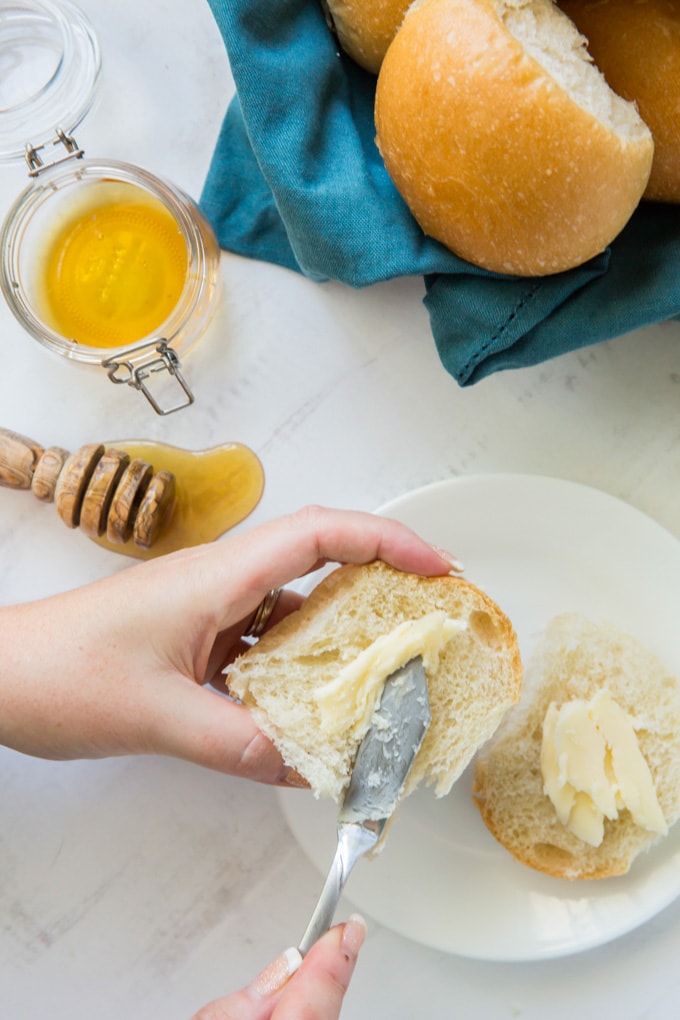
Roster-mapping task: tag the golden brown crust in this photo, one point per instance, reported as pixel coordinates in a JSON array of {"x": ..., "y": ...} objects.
[
  {"x": 365, "y": 28},
  {"x": 492, "y": 156},
  {"x": 636, "y": 45}
]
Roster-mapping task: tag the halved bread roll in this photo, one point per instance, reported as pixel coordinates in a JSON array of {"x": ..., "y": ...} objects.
[
  {"x": 636, "y": 45},
  {"x": 576, "y": 662},
  {"x": 317, "y": 715},
  {"x": 504, "y": 139}
]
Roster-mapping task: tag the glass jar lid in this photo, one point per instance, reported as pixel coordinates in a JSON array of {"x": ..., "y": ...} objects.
[{"x": 49, "y": 69}]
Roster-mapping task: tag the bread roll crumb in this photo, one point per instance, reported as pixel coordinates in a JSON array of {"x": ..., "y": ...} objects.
[
  {"x": 477, "y": 679},
  {"x": 575, "y": 659},
  {"x": 636, "y": 45}
]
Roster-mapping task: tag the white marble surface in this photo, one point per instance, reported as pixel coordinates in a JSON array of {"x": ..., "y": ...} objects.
[{"x": 143, "y": 888}]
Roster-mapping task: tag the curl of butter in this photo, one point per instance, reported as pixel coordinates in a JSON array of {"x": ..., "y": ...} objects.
[
  {"x": 347, "y": 702},
  {"x": 593, "y": 768}
]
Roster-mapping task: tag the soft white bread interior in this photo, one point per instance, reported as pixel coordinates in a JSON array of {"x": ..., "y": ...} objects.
[
  {"x": 477, "y": 678},
  {"x": 365, "y": 28},
  {"x": 503, "y": 137},
  {"x": 636, "y": 45},
  {"x": 576, "y": 659}
]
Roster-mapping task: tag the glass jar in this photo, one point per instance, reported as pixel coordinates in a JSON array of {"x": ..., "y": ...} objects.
[
  {"x": 102, "y": 262},
  {"x": 51, "y": 61}
]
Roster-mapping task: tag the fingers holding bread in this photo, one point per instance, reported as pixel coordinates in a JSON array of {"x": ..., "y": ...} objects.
[{"x": 277, "y": 552}]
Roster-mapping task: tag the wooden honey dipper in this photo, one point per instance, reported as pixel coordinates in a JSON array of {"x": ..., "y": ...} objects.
[{"x": 101, "y": 490}]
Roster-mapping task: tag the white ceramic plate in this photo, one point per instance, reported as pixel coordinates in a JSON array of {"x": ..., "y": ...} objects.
[{"x": 539, "y": 546}]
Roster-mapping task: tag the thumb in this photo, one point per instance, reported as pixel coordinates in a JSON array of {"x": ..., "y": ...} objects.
[{"x": 204, "y": 727}]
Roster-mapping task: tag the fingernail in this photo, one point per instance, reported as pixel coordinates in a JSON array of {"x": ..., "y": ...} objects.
[
  {"x": 293, "y": 778},
  {"x": 452, "y": 560},
  {"x": 275, "y": 974},
  {"x": 353, "y": 935}
]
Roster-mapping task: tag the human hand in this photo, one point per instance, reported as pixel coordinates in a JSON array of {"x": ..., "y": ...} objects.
[
  {"x": 316, "y": 992},
  {"x": 118, "y": 666}
]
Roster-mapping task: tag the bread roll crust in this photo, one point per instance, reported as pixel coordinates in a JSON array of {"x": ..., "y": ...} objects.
[
  {"x": 636, "y": 45},
  {"x": 478, "y": 678},
  {"x": 575, "y": 659},
  {"x": 492, "y": 155},
  {"x": 365, "y": 28}
]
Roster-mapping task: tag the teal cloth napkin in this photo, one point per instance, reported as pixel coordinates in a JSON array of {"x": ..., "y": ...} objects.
[{"x": 296, "y": 180}]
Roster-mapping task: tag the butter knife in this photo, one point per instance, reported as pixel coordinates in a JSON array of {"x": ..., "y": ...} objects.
[{"x": 382, "y": 764}]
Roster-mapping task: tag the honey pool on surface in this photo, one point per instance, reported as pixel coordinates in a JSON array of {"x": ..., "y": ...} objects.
[
  {"x": 216, "y": 489},
  {"x": 114, "y": 269}
]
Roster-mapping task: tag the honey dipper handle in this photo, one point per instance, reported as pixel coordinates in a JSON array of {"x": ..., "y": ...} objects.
[{"x": 18, "y": 458}]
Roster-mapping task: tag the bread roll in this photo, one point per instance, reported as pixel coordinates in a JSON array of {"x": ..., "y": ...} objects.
[
  {"x": 477, "y": 678},
  {"x": 365, "y": 28},
  {"x": 636, "y": 45},
  {"x": 576, "y": 659},
  {"x": 504, "y": 139}
]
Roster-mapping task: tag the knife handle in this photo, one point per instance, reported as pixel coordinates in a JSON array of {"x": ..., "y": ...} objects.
[{"x": 354, "y": 840}]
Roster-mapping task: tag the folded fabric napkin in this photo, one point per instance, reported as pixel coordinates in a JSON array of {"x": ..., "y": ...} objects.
[{"x": 296, "y": 179}]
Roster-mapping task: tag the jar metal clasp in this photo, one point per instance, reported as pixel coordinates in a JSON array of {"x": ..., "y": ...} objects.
[
  {"x": 136, "y": 365},
  {"x": 36, "y": 163}
]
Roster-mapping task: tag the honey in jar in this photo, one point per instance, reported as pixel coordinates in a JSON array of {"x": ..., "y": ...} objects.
[
  {"x": 107, "y": 265},
  {"x": 114, "y": 269},
  {"x": 101, "y": 261}
]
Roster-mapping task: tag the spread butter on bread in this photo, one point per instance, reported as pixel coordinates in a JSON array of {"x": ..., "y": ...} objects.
[{"x": 306, "y": 692}]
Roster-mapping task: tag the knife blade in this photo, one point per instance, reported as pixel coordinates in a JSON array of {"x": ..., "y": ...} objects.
[{"x": 383, "y": 762}]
